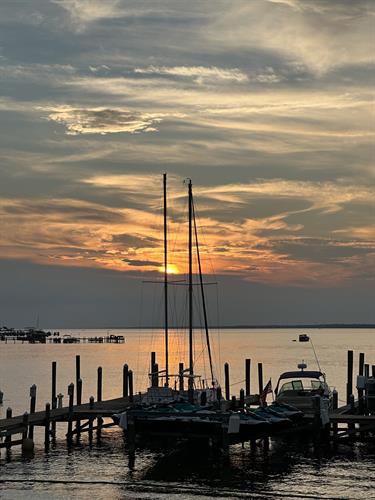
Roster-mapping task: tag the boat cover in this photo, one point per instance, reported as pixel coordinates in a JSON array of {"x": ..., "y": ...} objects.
[{"x": 301, "y": 374}]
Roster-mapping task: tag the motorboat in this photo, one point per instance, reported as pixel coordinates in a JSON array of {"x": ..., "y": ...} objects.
[
  {"x": 303, "y": 337},
  {"x": 297, "y": 388}
]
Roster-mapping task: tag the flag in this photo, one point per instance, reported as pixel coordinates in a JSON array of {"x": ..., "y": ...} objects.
[{"x": 267, "y": 390}]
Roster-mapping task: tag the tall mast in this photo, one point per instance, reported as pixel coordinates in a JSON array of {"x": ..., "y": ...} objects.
[
  {"x": 203, "y": 299},
  {"x": 165, "y": 279},
  {"x": 191, "y": 370}
]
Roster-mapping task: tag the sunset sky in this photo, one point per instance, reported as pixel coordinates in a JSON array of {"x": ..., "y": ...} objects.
[{"x": 267, "y": 105}]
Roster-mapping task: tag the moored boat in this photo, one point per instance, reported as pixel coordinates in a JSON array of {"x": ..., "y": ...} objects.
[{"x": 297, "y": 388}]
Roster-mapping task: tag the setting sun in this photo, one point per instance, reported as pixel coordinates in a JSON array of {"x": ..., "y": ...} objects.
[{"x": 171, "y": 269}]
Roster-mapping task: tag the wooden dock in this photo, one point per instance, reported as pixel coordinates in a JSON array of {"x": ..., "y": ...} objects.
[{"x": 353, "y": 421}]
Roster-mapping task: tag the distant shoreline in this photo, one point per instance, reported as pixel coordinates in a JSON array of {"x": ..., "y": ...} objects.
[{"x": 234, "y": 327}]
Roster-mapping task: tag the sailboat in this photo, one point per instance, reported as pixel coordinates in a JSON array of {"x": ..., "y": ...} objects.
[{"x": 165, "y": 393}]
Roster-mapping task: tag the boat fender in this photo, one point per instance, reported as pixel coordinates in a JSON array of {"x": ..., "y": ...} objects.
[
  {"x": 234, "y": 424},
  {"x": 124, "y": 420}
]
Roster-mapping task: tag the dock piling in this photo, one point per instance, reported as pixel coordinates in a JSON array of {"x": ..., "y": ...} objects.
[
  {"x": 78, "y": 371},
  {"x": 70, "y": 416},
  {"x": 91, "y": 404},
  {"x": 100, "y": 383},
  {"x": 181, "y": 376},
  {"x": 247, "y": 376},
  {"x": 156, "y": 375},
  {"x": 130, "y": 386},
  {"x": 53, "y": 396},
  {"x": 227, "y": 381},
  {"x": 335, "y": 403},
  {"x": 361, "y": 368},
  {"x": 8, "y": 439},
  {"x": 154, "y": 370},
  {"x": 125, "y": 381},
  {"x": 260, "y": 377},
  {"x": 349, "y": 381},
  {"x": 32, "y": 408},
  {"x": 25, "y": 421},
  {"x": 46, "y": 426},
  {"x": 242, "y": 398},
  {"x": 79, "y": 401}
]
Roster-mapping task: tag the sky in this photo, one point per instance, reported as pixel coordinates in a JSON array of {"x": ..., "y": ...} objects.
[{"x": 266, "y": 105}]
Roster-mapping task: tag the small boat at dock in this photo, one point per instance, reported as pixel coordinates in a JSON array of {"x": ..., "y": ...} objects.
[{"x": 297, "y": 388}]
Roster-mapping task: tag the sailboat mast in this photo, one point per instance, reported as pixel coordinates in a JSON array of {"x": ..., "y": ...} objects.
[
  {"x": 166, "y": 280},
  {"x": 191, "y": 370},
  {"x": 203, "y": 300}
]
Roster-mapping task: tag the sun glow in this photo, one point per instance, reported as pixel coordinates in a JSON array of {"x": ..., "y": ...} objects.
[{"x": 171, "y": 269}]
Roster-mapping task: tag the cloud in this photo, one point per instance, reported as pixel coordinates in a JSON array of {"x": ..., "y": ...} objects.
[
  {"x": 135, "y": 241},
  {"x": 105, "y": 121},
  {"x": 141, "y": 263},
  {"x": 321, "y": 34},
  {"x": 84, "y": 12},
  {"x": 200, "y": 74}
]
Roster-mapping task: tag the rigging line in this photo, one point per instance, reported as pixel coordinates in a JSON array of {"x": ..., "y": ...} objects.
[
  {"x": 218, "y": 324},
  {"x": 239, "y": 382},
  {"x": 203, "y": 296},
  {"x": 140, "y": 325},
  {"x": 200, "y": 225}
]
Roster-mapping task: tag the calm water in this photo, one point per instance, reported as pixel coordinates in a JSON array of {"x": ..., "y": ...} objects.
[{"x": 291, "y": 469}]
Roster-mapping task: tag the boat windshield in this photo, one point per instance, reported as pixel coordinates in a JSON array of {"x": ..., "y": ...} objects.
[{"x": 303, "y": 385}]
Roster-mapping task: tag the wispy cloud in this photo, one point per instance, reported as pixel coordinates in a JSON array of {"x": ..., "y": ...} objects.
[
  {"x": 84, "y": 12},
  {"x": 105, "y": 121},
  {"x": 200, "y": 74}
]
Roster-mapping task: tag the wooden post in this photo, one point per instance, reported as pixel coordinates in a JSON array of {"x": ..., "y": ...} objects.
[
  {"x": 260, "y": 377},
  {"x": 54, "y": 396},
  {"x": 130, "y": 386},
  {"x": 360, "y": 391},
  {"x": 247, "y": 376},
  {"x": 79, "y": 391},
  {"x": 91, "y": 404},
  {"x": 203, "y": 398},
  {"x": 46, "y": 426},
  {"x": 226, "y": 380},
  {"x": 25, "y": 421},
  {"x": 100, "y": 383},
  {"x": 361, "y": 363},
  {"x": 181, "y": 376},
  {"x": 130, "y": 435},
  {"x": 349, "y": 381},
  {"x": 79, "y": 402},
  {"x": 32, "y": 408},
  {"x": 153, "y": 370},
  {"x": 242, "y": 398},
  {"x": 70, "y": 416},
  {"x": 317, "y": 420},
  {"x": 219, "y": 396},
  {"x": 8, "y": 439},
  {"x": 99, "y": 427},
  {"x": 352, "y": 404},
  {"x": 335, "y": 402},
  {"x": 156, "y": 375},
  {"x": 352, "y": 410},
  {"x": 125, "y": 381},
  {"x": 78, "y": 371}
]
